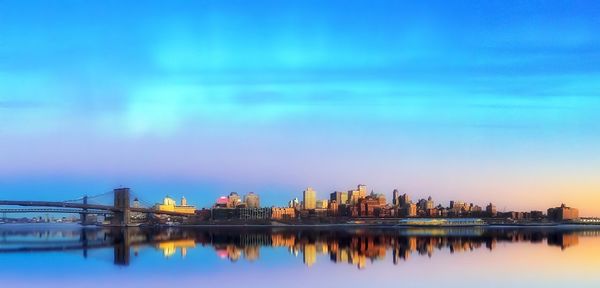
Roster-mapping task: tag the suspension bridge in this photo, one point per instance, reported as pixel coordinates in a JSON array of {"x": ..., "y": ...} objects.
[{"x": 120, "y": 210}]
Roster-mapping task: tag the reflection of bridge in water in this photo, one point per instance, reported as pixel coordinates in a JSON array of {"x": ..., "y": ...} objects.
[
  {"x": 120, "y": 210},
  {"x": 120, "y": 239},
  {"x": 353, "y": 246}
]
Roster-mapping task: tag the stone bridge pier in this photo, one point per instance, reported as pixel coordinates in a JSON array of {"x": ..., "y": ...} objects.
[{"x": 121, "y": 216}]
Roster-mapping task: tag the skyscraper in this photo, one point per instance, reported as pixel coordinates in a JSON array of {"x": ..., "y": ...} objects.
[
  {"x": 395, "y": 196},
  {"x": 429, "y": 204},
  {"x": 403, "y": 200},
  {"x": 339, "y": 197},
  {"x": 362, "y": 191},
  {"x": 355, "y": 195},
  {"x": 309, "y": 199},
  {"x": 491, "y": 210}
]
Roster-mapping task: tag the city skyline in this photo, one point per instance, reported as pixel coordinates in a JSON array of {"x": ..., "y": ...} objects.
[
  {"x": 299, "y": 143},
  {"x": 478, "y": 101}
]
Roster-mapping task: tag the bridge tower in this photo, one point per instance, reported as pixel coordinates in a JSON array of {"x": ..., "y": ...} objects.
[
  {"x": 85, "y": 218},
  {"x": 121, "y": 217}
]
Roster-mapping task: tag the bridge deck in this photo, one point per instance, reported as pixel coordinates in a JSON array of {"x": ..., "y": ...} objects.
[{"x": 82, "y": 207}]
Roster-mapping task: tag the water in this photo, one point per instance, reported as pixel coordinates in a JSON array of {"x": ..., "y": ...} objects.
[{"x": 69, "y": 256}]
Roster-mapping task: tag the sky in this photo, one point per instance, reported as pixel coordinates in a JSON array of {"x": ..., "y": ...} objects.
[{"x": 480, "y": 101}]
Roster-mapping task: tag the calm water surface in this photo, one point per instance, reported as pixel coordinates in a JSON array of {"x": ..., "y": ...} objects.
[{"x": 69, "y": 256}]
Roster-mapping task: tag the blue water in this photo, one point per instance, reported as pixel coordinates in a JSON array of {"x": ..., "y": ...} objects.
[{"x": 63, "y": 255}]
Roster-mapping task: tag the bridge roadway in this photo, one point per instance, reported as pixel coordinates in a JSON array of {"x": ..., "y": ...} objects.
[
  {"x": 86, "y": 207},
  {"x": 54, "y": 210}
]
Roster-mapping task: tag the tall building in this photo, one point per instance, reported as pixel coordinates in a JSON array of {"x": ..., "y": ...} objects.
[
  {"x": 409, "y": 210},
  {"x": 339, "y": 197},
  {"x": 403, "y": 200},
  {"x": 429, "y": 204},
  {"x": 457, "y": 208},
  {"x": 422, "y": 204},
  {"x": 294, "y": 203},
  {"x": 355, "y": 195},
  {"x": 309, "y": 199},
  {"x": 322, "y": 204},
  {"x": 491, "y": 210},
  {"x": 362, "y": 191},
  {"x": 252, "y": 200},
  {"x": 395, "y": 196}
]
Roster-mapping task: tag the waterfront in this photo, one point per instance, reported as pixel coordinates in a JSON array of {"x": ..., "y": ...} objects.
[{"x": 65, "y": 255}]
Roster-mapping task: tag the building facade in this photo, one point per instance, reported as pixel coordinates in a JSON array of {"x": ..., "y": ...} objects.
[
  {"x": 563, "y": 213},
  {"x": 309, "y": 199},
  {"x": 170, "y": 205},
  {"x": 252, "y": 200}
]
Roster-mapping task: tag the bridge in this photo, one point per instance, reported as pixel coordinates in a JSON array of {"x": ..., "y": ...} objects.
[
  {"x": 121, "y": 209},
  {"x": 53, "y": 210}
]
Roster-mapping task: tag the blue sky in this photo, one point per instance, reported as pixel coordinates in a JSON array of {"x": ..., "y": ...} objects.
[{"x": 455, "y": 99}]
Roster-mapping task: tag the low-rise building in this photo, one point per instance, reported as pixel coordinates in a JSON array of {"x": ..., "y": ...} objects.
[
  {"x": 279, "y": 213},
  {"x": 170, "y": 205},
  {"x": 563, "y": 213},
  {"x": 254, "y": 213}
]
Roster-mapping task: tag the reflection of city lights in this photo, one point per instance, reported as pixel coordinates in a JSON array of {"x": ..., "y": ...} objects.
[
  {"x": 222, "y": 254},
  {"x": 169, "y": 248},
  {"x": 358, "y": 249}
]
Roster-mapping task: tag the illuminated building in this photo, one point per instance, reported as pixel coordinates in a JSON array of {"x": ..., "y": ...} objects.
[
  {"x": 333, "y": 208},
  {"x": 372, "y": 205},
  {"x": 294, "y": 203},
  {"x": 169, "y": 248},
  {"x": 321, "y": 204},
  {"x": 222, "y": 202},
  {"x": 409, "y": 210},
  {"x": 563, "y": 213},
  {"x": 355, "y": 195},
  {"x": 252, "y": 200},
  {"x": 429, "y": 203},
  {"x": 309, "y": 199},
  {"x": 381, "y": 199},
  {"x": 169, "y": 204},
  {"x": 283, "y": 213},
  {"x": 339, "y": 197},
  {"x": 457, "y": 208},
  {"x": 491, "y": 210},
  {"x": 362, "y": 190},
  {"x": 233, "y": 200}
]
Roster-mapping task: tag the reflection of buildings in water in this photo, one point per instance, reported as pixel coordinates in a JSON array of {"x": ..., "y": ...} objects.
[
  {"x": 355, "y": 247},
  {"x": 310, "y": 254},
  {"x": 280, "y": 239},
  {"x": 564, "y": 241},
  {"x": 169, "y": 248},
  {"x": 251, "y": 253},
  {"x": 234, "y": 253}
]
